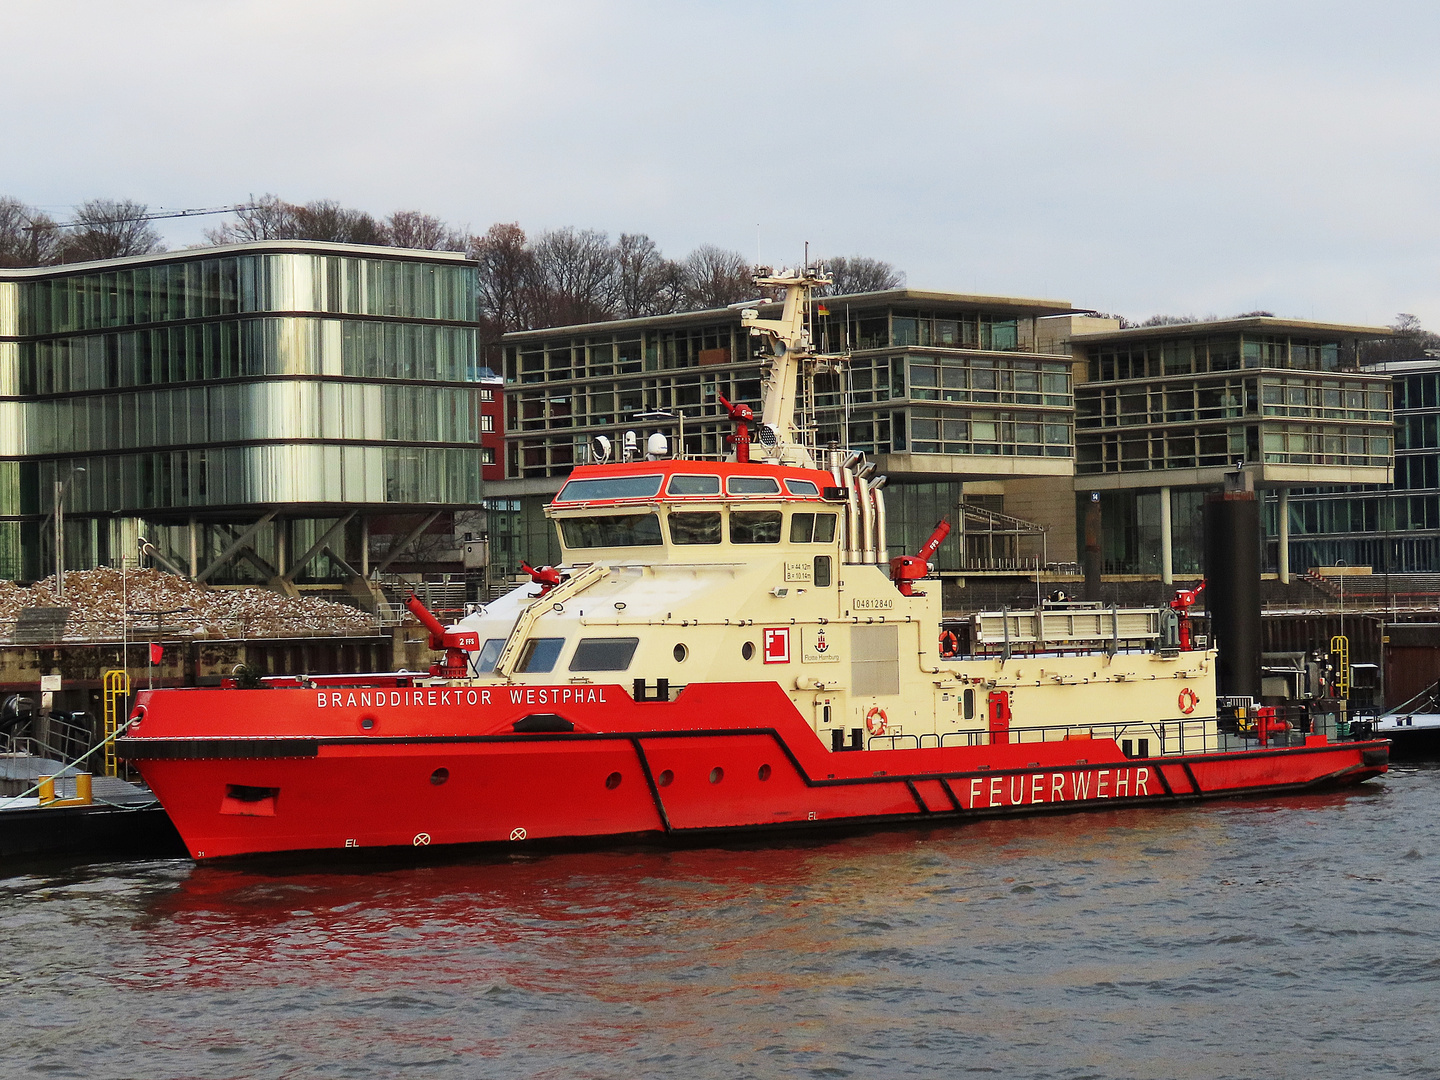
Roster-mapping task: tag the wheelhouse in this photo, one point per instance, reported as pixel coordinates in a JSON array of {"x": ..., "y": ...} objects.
[{"x": 696, "y": 511}]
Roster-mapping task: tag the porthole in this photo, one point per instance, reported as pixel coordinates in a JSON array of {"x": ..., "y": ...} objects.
[
  {"x": 717, "y": 774},
  {"x": 764, "y": 773},
  {"x": 666, "y": 777},
  {"x": 680, "y": 653},
  {"x": 612, "y": 781},
  {"x": 747, "y": 650},
  {"x": 439, "y": 776},
  {"x": 367, "y": 723}
]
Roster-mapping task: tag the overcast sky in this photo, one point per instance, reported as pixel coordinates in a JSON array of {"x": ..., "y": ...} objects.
[{"x": 1199, "y": 159}]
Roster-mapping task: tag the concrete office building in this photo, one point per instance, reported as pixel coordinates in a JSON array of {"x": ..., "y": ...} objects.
[
  {"x": 286, "y": 412},
  {"x": 963, "y": 401},
  {"x": 1163, "y": 412}
]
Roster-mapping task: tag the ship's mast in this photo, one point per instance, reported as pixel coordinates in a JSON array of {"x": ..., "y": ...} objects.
[{"x": 781, "y": 439}]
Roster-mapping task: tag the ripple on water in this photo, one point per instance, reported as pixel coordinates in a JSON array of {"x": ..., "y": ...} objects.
[{"x": 1134, "y": 943}]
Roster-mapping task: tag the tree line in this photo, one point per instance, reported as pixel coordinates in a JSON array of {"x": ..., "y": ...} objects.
[
  {"x": 558, "y": 277},
  {"x": 100, "y": 229}
]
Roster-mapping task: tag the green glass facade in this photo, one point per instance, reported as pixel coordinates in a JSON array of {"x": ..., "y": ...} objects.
[{"x": 220, "y": 384}]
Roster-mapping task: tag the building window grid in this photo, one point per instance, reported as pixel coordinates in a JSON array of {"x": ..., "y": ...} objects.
[
  {"x": 1354, "y": 411},
  {"x": 570, "y": 403}
]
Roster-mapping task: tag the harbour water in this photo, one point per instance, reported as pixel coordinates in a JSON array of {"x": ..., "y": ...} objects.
[{"x": 1286, "y": 938}]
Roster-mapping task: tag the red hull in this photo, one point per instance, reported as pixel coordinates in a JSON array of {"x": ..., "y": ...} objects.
[{"x": 246, "y": 772}]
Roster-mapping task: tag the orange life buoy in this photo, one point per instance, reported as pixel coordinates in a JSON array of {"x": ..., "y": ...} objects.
[
  {"x": 1188, "y": 700},
  {"x": 949, "y": 644},
  {"x": 876, "y": 720}
]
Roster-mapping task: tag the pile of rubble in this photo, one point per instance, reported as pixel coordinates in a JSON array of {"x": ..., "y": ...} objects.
[{"x": 99, "y": 600}]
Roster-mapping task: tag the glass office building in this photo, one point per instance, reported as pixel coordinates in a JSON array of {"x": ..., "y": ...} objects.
[
  {"x": 949, "y": 394},
  {"x": 186, "y": 396},
  {"x": 1164, "y": 412},
  {"x": 1394, "y": 529}
]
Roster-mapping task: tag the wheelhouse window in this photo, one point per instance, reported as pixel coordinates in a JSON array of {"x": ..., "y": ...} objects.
[
  {"x": 489, "y": 653},
  {"x": 612, "y": 530},
  {"x": 802, "y": 487},
  {"x": 540, "y": 654},
  {"x": 695, "y": 528},
  {"x": 755, "y": 526},
  {"x": 604, "y": 654},
  {"x": 812, "y": 528},
  {"x": 610, "y": 487},
  {"x": 753, "y": 485},
  {"x": 693, "y": 485}
]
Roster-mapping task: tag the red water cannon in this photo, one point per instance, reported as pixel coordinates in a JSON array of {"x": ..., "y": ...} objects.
[
  {"x": 905, "y": 570},
  {"x": 743, "y": 415},
  {"x": 1181, "y": 604},
  {"x": 547, "y": 577},
  {"x": 456, "y": 643}
]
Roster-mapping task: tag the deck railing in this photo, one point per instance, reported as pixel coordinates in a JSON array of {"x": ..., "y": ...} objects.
[{"x": 1136, "y": 738}]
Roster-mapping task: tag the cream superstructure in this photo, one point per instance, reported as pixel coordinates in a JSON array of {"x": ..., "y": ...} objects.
[{"x": 776, "y": 570}]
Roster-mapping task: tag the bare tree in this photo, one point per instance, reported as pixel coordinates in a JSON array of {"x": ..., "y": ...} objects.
[
  {"x": 573, "y": 277},
  {"x": 1409, "y": 341},
  {"x": 326, "y": 219},
  {"x": 715, "y": 278},
  {"x": 860, "y": 273},
  {"x": 504, "y": 257},
  {"x": 412, "y": 229},
  {"x": 109, "y": 229},
  {"x": 646, "y": 279},
  {"x": 267, "y": 218},
  {"x": 1168, "y": 320},
  {"x": 27, "y": 236}
]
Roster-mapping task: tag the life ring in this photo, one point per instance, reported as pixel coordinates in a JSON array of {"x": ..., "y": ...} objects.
[
  {"x": 949, "y": 644},
  {"x": 1188, "y": 700},
  {"x": 876, "y": 720}
]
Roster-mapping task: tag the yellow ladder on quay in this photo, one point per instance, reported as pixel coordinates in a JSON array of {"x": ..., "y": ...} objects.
[{"x": 117, "y": 691}]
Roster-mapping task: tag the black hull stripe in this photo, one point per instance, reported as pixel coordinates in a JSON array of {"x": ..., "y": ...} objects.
[
  {"x": 699, "y": 835},
  {"x": 160, "y": 749}
]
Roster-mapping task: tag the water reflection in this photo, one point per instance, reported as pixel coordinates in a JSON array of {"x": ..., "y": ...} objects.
[{"x": 1133, "y": 943}]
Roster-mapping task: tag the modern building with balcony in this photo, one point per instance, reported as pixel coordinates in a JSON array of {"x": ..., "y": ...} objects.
[
  {"x": 1394, "y": 529},
  {"x": 1164, "y": 412},
  {"x": 289, "y": 412},
  {"x": 955, "y": 397}
]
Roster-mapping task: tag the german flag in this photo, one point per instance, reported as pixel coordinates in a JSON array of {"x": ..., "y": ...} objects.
[{"x": 821, "y": 309}]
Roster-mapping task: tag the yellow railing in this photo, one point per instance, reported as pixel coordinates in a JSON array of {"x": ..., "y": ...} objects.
[
  {"x": 117, "y": 691},
  {"x": 1340, "y": 650}
]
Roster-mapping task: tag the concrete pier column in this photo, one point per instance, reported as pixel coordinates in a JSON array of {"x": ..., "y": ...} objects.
[
  {"x": 1283, "y": 555},
  {"x": 364, "y": 547},
  {"x": 194, "y": 548},
  {"x": 1167, "y": 551}
]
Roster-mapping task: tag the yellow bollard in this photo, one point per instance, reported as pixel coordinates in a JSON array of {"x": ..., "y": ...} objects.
[
  {"x": 47, "y": 790},
  {"x": 84, "y": 790}
]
